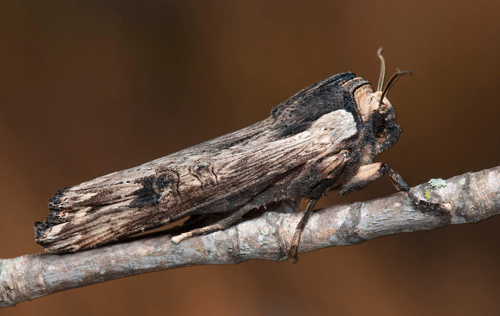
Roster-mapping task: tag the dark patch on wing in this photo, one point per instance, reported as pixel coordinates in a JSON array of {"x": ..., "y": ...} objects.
[
  {"x": 303, "y": 113},
  {"x": 154, "y": 186},
  {"x": 300, "y": 111},
  {"x": 163, "y": 181},
  {"x": 333, "y": 80},
  {"x": 147, "y": 195},
  {"x": 147, "y": 187}
]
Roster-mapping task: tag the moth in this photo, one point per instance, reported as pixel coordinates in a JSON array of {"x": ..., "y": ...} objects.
[{"x": 324, "y": 138}]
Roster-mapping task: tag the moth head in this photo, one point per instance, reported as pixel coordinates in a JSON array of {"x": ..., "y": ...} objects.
[
  {"x": 376, "y": 109},
  {"x": 384, "y": 127}
]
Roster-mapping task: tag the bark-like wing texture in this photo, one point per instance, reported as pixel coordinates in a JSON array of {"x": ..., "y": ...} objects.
[{"x": 220, "y": 175}]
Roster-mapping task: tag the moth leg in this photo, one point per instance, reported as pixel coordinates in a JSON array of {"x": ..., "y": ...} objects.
[
  {"x": 332, "y": 163},
  {"x": 220, "y": 225},
  {"x": 292, "y": 254},
  {"x": 369, "y": 173},
  {"x": 372, "y": 172},
  {"x": 401, "y": 185}
]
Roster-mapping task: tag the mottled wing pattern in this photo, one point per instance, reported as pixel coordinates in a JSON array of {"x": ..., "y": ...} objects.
[{"x": 220, "y": 175}]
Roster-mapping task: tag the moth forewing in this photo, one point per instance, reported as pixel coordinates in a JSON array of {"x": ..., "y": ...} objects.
[{"x": 142, "y": 198}]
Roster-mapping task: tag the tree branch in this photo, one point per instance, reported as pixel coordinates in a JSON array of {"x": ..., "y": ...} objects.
[{"x": 470, "y": 197}]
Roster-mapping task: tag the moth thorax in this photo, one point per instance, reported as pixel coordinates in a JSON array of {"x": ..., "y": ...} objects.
[{"x": 368, "y": 101}]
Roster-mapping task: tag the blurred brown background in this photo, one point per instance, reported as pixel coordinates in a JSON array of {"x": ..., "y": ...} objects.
[{"x": 87, "y": 88}]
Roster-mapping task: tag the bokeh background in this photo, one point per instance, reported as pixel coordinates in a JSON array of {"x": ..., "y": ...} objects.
[{"x": 91, "y": 87}]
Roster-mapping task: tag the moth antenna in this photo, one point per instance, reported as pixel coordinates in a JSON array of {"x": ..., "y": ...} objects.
[
  {"x": 381, "y": 78},
  {"x": 391, "y": 81}
]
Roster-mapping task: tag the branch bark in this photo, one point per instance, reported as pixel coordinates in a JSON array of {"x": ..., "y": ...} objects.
[{"x": 470, "y": 197}]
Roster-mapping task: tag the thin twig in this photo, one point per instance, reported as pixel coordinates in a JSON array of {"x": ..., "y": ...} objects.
[{"x": 471, "y": 197}]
